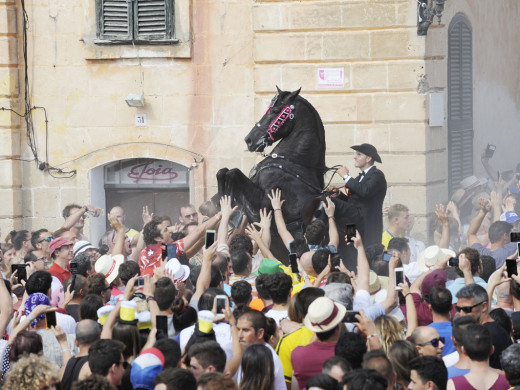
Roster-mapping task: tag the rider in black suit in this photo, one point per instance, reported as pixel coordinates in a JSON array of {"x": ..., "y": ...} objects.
[{"x": 363, "y": 202}]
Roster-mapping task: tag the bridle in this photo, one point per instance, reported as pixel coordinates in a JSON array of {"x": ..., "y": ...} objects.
[{"x": 276, "y": 124}]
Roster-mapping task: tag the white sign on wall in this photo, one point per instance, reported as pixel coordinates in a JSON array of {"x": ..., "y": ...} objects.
[{"x": 331, "y": 78}]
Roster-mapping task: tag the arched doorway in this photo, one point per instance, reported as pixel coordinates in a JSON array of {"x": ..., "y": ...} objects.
[{"x": 460, "y": 101}]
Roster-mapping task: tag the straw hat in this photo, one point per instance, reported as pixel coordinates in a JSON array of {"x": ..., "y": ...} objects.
[
  {"x": 323, "y": 315},
  {"x": 108, "y": 265},
  {"x": 429, "y": 257},
  {"x": 179, "y": 271}
]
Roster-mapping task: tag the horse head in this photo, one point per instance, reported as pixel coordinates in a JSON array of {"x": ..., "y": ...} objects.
[{"x": 277, "y": 122}]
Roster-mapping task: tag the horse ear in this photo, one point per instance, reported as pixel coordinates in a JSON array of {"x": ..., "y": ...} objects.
[
  {"x": 279, "y": 90},
  {"x": 294, "y": 94}
]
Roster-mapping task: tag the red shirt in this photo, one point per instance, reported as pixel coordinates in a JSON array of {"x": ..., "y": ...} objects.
[
  {"x": 151, "y": 256},
  {"x": 60, "y": 273}
]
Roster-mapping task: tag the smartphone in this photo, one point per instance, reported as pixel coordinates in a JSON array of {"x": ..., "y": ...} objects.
[
  {"x": 350, "y": 316},
  {"x": 453, "y": 262},
  {"x": 161, "y": 323},
  {"x": 294, "y": 264},
  {"x": 140, "y": 281},
  {"x": 517, "y": 249},
  {"x": 210, "y": 237},
  {"x": 22, "y": 272},
  {"x": 515, "y": 236},
  {"x": 172, "y": 251},
  {"x": 50, "y": 319},
  {"x": 399, "y": 277},
  {"x": 73, "y": 268},
  {"x": 221, "y": 303},
  {"x": 387, "y": 256},
  {"x": 490, "y": 150},
  {"x": 511, "y": 268},
  {"x": 334, "y": 260},
  {"x": 164, "y": 252},
  {"x": 351, "y": 231}
]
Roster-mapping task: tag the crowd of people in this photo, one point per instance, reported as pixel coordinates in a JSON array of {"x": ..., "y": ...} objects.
[{"x": 198, "y": 303}]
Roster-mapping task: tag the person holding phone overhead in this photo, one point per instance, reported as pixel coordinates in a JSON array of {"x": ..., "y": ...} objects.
[{"x": 362, "y": 202}]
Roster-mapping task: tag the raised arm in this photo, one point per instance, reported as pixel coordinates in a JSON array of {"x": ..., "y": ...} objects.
[
  {"x": 6, "y": 307},
  {"x": 363, "y": 274},
  {"x": 120, "y": 235},
  {"x": 192, "y": 238},
  {"x": 330, "y": 208},
  {"x": 265, "y": 226},
  {"x": 255, "y": 235},
  {"x": 477, "y": 221},
  {"x": 204, "y": 278},
  {"x": 226, "y": 210},
  {"x": 73, "y": 218},
  {"x": 487, "y": 166},
  {"x": 276, "y": 202},
  {"x": 442, "y": 214}
]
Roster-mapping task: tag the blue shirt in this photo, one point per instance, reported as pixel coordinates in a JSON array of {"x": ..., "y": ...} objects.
[
  {"x": 445, "y": 330},
  {"x": 454, "y": 371},
  {"x": 459, "y": 283},
  {"x": 499, "y": 254}
]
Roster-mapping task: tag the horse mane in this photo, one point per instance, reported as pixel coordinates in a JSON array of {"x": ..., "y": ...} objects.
[{"x": 320, "y": 130}]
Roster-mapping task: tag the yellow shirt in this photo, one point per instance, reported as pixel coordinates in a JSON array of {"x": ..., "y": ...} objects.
[
  {"x": 387, "y": 236},
  {"x": 286, "y": 345}
]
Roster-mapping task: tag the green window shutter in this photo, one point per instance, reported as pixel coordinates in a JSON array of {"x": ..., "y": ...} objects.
[
  {"x": 114, "y": 18},
  {"x": 460, "y": 101},
  {"x": 154, "y": 20}
]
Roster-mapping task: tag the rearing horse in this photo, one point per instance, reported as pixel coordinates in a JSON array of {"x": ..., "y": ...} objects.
[{"x": 296, "y": 165}]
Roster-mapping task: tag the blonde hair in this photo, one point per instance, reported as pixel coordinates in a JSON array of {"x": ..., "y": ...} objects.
[
  {"x": 395, "y": 210},
  {"x": 31, "y": 372},
  {"x": 389, "y": 331}
]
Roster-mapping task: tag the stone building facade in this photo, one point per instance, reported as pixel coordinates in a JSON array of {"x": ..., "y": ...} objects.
[{"x": 203, "y": 92}]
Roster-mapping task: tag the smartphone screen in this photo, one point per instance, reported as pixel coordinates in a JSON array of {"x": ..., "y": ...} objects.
[
  {"x": 453, "y": 262},
  {"x": 73, "y": 268},
  {"x": 221, "y": 303},
  {"x": 172, "y": 251},
  {"x": 334, "y": 261},
  {"x": 294, "y": 265},
  {"x": 22, "y": 272},
  {"x": 164, "y": 252},
  {"x": 399, "y": 277},
  {"x": 210, "y": 237},
  {"x": 511, "y": 268},
  {"x": 387, "y": 256},
  {"x": 351, "y": 231},
  {"x": 140, "y": 281},
  {"x": 161, "y": 322},
  {"x": 515, "y": 236},
  {"x": 350, "y": 316},
  {"x": 50, "y": 319}
]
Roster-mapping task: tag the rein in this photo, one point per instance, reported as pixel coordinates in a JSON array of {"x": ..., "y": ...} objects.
[{"x": 286, "y": 170}]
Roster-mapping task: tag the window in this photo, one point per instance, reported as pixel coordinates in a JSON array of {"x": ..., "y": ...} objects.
[
  {"x": 135, "y": 21},
  {"x": 460, "y": 101}
]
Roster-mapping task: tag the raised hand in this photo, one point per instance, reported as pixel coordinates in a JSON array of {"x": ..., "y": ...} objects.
[{"x": 276, "y": 199}]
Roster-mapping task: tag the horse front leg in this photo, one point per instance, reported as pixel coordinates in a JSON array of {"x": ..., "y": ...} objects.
[{"x": 248, "y": 195}]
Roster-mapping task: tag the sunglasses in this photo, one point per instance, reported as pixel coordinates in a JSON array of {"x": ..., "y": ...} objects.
[
  {"x": 48, "y": 239},
  {"x": 434, "y": 342},
  {"x": 124, "y": 364},
  {"x": 194, "y": 215},
  {"x": 44, "y": 259},
  {"x": 468, "y": 309}
]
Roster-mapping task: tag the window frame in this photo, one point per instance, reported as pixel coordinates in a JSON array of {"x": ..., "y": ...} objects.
[{"x": 133, "y": 37}]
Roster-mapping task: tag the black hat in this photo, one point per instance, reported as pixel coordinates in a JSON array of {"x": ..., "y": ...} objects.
[{"x": 369, "y": 150}]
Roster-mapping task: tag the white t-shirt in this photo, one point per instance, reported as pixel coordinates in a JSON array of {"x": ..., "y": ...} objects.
[
  {"x": 277, "y": 315},
  {"x": 67, "y": 323},
  {"x": 222, "y": 334}
]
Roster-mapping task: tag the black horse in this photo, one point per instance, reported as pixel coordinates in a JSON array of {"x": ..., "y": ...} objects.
[{"x": 296, "y": 165}]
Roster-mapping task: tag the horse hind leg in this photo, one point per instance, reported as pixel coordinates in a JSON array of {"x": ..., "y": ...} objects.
[{"x": 221, "y": 181}]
